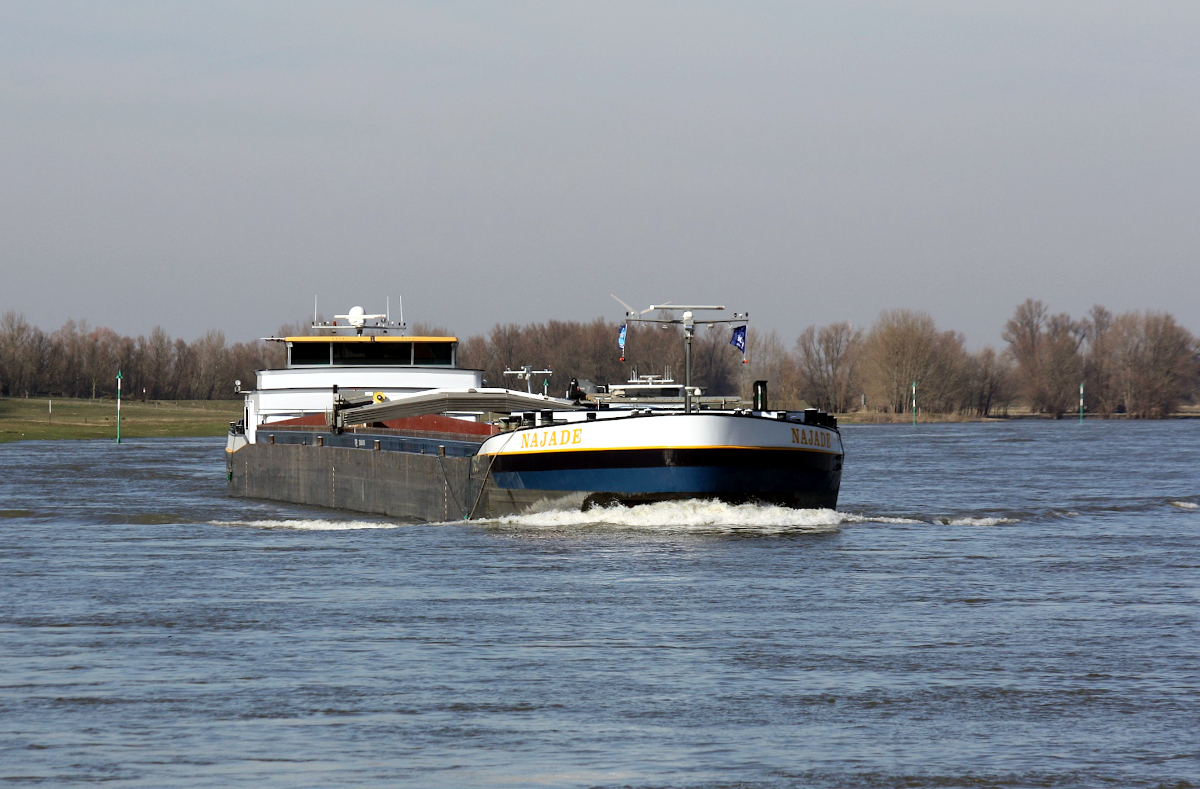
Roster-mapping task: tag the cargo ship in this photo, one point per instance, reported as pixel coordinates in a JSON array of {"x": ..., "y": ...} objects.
[{"x": 365, "y": 417}]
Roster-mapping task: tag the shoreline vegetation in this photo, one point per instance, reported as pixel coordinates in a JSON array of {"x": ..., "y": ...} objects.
[
  {"x": 36, "y": 419},
  {"x": 1140, "y": 365},
  {"x": 1013, "y": 415}
]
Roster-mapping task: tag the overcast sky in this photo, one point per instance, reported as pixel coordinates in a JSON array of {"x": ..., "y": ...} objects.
[{"x": 217, "y": 164}]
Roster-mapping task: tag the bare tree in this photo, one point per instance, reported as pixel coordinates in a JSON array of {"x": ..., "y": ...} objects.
[
  {"x": 22, "y": 355},
  {"x": 183, "y": 372},
  {"x": 1155, "y": 363},
  {"x": 1103, "y": 396},
  {"x": 989, "y": 381},
  {"x": 507, "y": 348},
  {"x": 100, "y": 361},
  {"x": 905, "y": 348},
  {"x": 1046, "y": 350},
  {"x": 158, "y": 363},
  {"x": 212, "y": 367},
  {"x": 830, "y": 359},
  {"x": 65, "y": 364}
]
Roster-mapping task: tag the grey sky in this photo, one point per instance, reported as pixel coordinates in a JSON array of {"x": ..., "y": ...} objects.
[{"x": 215, "y": 165}]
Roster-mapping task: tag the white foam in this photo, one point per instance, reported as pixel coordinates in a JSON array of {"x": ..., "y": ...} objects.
[
  {"x": 310, "y": 525},
  {"x": 1186, "y": 505},
  {"x": 696, "y": 515},
  {"x": 979, "y": 521}
]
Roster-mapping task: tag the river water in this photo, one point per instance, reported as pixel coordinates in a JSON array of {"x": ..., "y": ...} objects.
[{"x": 993, "y": 605}]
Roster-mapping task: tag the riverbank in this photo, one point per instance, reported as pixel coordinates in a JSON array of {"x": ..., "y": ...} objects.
[
  {"x": 880, "y": 418},
  {"x": 23, "y": 419}
]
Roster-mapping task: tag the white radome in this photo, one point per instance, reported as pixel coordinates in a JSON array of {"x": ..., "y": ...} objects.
[{"x": 358, "y": 317}]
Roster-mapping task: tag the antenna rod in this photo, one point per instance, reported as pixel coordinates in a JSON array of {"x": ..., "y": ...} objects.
[{"x": 688, "y": 329}]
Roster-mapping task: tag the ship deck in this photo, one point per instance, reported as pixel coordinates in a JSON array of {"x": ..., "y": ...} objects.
[{"x": 415, "y": 442}]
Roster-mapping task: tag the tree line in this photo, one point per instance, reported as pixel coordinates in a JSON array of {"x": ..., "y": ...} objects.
[
  {"x": 1141, "y": 364},
  {"x": 78, "y": 360}
]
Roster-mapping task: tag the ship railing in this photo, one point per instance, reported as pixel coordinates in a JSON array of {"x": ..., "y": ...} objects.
[
  {"x": 378, "y": 431},
  {"x": 709, "y": 402}
]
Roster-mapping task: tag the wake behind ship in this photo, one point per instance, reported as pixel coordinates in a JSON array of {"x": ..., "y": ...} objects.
[{"x": 367, "y": 418}]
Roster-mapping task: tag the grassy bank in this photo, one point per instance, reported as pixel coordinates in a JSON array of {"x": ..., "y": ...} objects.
[
  {"x": 24, "y": 419},
  {"x": 878, "y": 418}
]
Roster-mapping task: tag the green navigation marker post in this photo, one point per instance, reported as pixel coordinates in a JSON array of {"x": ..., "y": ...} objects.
[{"x": 118, "y": 406}]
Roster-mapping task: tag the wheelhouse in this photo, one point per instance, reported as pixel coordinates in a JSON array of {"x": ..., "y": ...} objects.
[{"x": 371, "y": 351}]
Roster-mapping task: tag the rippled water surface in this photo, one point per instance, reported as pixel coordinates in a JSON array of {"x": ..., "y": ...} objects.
[{"x": 993, "y": 605}]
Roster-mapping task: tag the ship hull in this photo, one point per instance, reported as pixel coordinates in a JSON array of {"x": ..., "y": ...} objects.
[
  {"x": 399, "y": 484},
  {"x": 614, "y": 459},
  {"x": 662, "y": 457},
  {"x": 627, "y": 476}
]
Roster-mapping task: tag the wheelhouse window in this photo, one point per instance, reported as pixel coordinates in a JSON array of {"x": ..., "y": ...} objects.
[
  {"x": 367, "y": 354},
  {"x": 372, "y": 353},
  {"x": 433, "y": 353},
  {"x": 308, "y": 353}
]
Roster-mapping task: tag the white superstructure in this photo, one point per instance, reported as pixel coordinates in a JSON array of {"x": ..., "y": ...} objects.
[{"x": 321, "y": 368}]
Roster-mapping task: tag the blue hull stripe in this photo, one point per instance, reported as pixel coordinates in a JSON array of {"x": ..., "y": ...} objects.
[{"x": 702, "y": 481}]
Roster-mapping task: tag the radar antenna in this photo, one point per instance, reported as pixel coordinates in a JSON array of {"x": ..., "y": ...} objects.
[
  {"x": 629, "y": 310},
  {"x": 358, "y": 319}
]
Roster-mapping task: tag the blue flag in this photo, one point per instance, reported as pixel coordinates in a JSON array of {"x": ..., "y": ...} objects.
[
  {"x": 621, "y": 338},
  {"x": 739, "y": 339}
]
